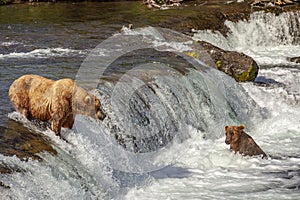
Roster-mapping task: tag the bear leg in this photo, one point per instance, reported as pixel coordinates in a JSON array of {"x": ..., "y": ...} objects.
[
  {"x": 68, "y": 122},
  {"x": 25, "y": 113},
  {"x": 56, "y": 127},
  {"x": 56, "y": 122}
]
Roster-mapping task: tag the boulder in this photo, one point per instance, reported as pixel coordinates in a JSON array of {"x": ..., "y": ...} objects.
[
  {"x": 237, "y": 65},
  {"x": 22, "y": 142},
  {"x": 294, "y": 59},
  {"x": 162, "y": 4},
  {"x": 268, "y": 3}
]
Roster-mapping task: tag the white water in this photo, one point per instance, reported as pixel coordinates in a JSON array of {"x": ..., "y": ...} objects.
[
  {"x": 207, "y": 170},
  {"x": 267, "y": 38},
  {"x": 41, "y": 53},
  {"x": 204, "y": 168}
]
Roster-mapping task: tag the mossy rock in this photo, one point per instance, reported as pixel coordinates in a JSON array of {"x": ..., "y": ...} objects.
[
  {"x": 237, "y": 65},
  {"x": 193, "y": 54},
  {"x": 219, "y": 64},
  {"x": 249, "y": 75}
]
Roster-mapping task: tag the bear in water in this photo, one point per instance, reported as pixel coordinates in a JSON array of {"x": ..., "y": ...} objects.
[
  {"x": 55, "y": 101},
  {"x": 241, "y": 142}
]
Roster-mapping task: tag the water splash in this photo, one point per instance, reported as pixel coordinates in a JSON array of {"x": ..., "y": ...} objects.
[
  {"x": 44, "y": 53},
  {"x": 267, "y": 37},
  {"x": 153, "y": 109},
  {"x": 266, "y": 29},
  {"x": 153, "y": 92}
]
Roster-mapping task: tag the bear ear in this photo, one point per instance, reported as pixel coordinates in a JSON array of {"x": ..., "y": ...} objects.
[
  {"x": 226, "y": 127},
  {"x": 242, "y": 126},
  {"x": 88, "y": 99}
]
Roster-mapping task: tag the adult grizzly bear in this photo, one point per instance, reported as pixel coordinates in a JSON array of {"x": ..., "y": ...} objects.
[
  {"x": 55, "y": 101},
  {"x": 241, "y": 142}
]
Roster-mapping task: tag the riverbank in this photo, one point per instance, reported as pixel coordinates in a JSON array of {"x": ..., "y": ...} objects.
[
  {"x": 212, "y": 14},
  {"x": 199, "y": 14}
]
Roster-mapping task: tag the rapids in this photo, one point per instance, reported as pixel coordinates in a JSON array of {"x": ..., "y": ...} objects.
[{"x": 163, "y": 137}]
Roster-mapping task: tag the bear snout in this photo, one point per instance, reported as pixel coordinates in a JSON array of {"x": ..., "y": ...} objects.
[
  {"x": 227, "y": 141},
  {"x": 100, "y": 115},
  {"x": 228, "y": 138}
]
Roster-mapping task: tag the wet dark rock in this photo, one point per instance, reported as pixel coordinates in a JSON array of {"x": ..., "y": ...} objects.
[
  {"x": 162, "y": 4},
  {"x": 3, "y": 185},
  {"x": 17, "y": 140},
  {"x": 202, "y": 15},
  {"x": 269, "y": 3},
  {"x": 237, "y": 65},
  {"x": 294, "y": 59}
]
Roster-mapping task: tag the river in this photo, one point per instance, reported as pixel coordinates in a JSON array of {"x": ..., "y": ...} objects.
[{"x": 163, "y": 137}]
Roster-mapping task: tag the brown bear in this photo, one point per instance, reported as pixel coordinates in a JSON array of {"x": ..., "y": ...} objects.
[
  {"x": 55, "y": 101},
  {"x": 241, "y": 142}
]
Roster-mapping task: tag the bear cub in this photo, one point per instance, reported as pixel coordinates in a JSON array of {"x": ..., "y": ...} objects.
[{"x": 241, "y": 142}]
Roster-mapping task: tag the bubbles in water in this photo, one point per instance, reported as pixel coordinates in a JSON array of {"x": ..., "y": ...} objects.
[
  {"x": 153, "y": 92},
  {"x": 266, "y": 37},
  {"x": 141, "y": 121}
]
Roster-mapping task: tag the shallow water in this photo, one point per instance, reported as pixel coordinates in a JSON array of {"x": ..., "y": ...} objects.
[{"x": 168, "y": 119}]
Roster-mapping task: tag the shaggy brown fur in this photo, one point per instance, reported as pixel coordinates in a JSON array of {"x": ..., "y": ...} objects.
[
  {"x": 55, "y": 101},
  {"x": 241, "y": 142}
]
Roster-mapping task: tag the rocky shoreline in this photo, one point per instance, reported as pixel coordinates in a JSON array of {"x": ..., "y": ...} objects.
[
  {"x": 212, "y": 14},
  {"x": 199, "y": 14},
  {"x": 165, "y": 4}
]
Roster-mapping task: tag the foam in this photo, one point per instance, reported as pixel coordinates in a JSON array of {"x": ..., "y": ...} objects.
[
  {"x": 44, "y": 53},
  {"x": 267, "y": 38},
  {"x": 201, "y": 166}
]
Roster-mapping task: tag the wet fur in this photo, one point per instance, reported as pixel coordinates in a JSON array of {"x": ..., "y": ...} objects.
[
  {"x": 241, "y": 142},
  {"x": 55, "y": 101}
]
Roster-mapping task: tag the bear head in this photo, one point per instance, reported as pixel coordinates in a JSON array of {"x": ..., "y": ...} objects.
[
  {"x": 87, "y": 104},
  {"x": 233, "y": 133}
]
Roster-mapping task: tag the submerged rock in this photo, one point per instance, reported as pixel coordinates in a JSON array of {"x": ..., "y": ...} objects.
[
  {"x": 17, "y": 140},
  {"x": 294, "y": 59},
  {"x": 237, "y": 65},
  {"x": 162, "y": 4},
  {"x": 266, "y": 3}
]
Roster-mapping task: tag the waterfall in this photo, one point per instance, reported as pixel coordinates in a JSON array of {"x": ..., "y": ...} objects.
[
  {"x": 261, "y": 29},
  {"x": 154, "y": 94},
  {"x": 266, "y": 37}
]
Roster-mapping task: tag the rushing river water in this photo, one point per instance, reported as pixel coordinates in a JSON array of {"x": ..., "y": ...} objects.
[{"x": 163, "y": 137}]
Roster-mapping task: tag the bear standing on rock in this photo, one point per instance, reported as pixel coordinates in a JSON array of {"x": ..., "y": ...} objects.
[
  {"x": 55, "y": 101},
  {"x": 241, "y": 142}
]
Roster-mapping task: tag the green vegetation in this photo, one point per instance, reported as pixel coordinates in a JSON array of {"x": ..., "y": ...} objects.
[
  {"x": 219, "y": 64},
  {"x": 3, "y": 2},
  {"x": 249, "y": 75},
  {"x": 160, "y": 1},
  {"x": 193, "y": 54}
]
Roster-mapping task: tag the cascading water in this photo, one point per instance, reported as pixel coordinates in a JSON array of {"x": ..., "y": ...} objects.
[
  {"x": 163, "y": 136},
  {"x": 260, "y": 34},
  {"x": 266, "y": 29},
  {"x": 159, "y": 93},
  {"x": 215, "y": 174},
  {"x": 271, "y": 40},
  {"x": 156, "y": 98}
]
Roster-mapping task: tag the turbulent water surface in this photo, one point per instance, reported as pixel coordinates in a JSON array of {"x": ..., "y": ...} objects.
[{"x": 163, "y": 137}]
